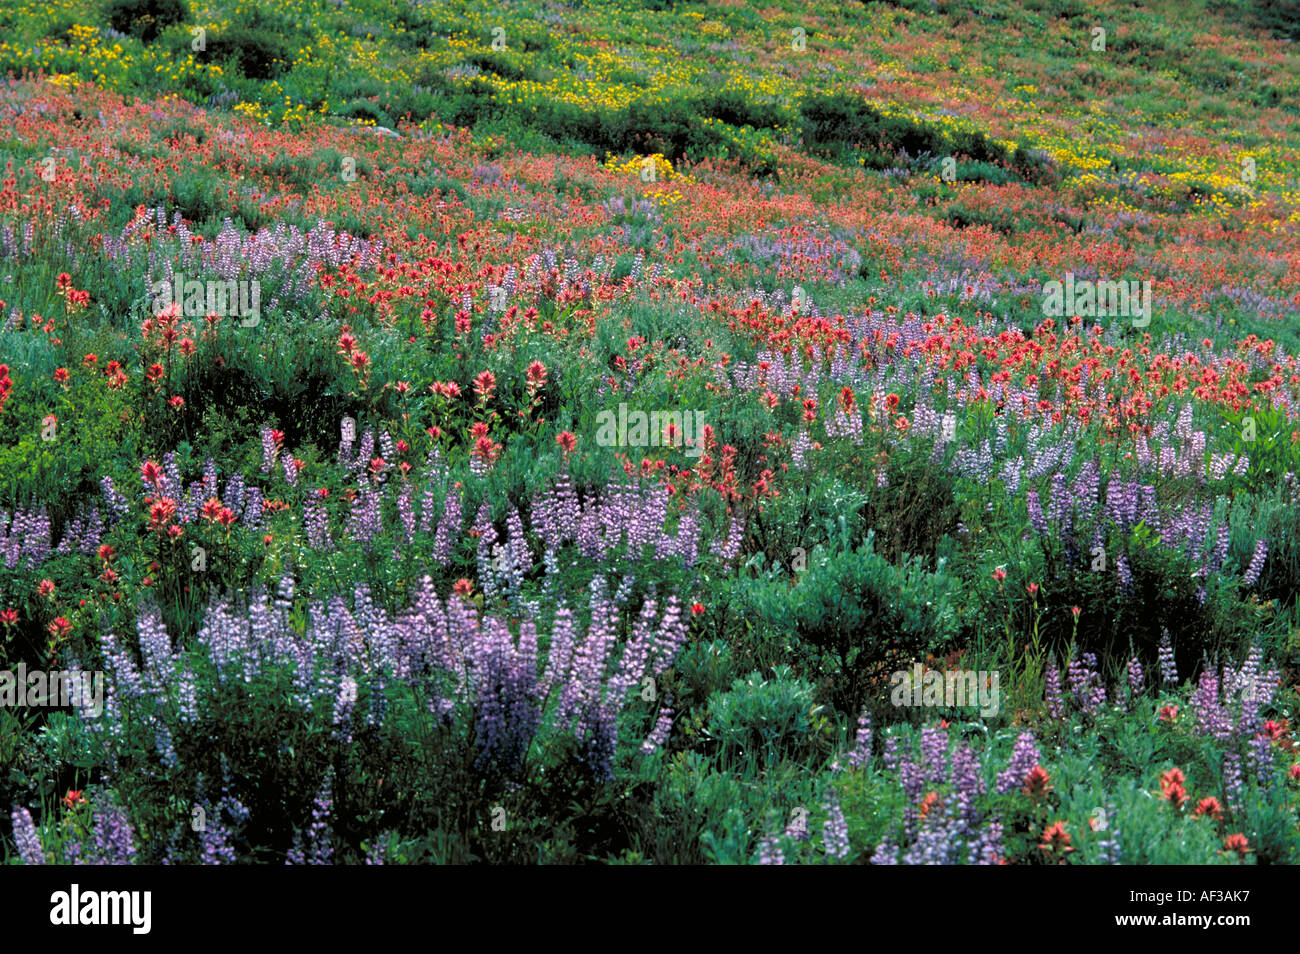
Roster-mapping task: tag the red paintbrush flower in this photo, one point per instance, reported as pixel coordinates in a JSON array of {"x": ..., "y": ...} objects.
[
  {"x": 484, "y": 384},
  {"x": 152, "y": 473},
  {"x": 1210, "y": 807},
  {"x": 1056, "y": 840},
  {"x": 1239, "y": 843},
  {"x": 1037, "y": 782}
]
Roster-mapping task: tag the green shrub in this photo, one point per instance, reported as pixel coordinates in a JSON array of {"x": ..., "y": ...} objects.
[
  {"x": 1280, "y": 17},
  {"x": 856, "y": 616},
  {"x": 365, "y": 109},
  {"x": 145, "y": 18},
  {"x": 258, "y": 53},
  {"x": 733, "y": 107},
  {"x": 1276, "y": 518},
  {"x": 1115, "y": 621},
  {"x": 802, "y": 517},
  {"x": 983, "y": 172},
  {"x": 771, "y": 718},
  {"x": 701, "y": 670},
  {"x": 917, "y": 507},
  {"x": 959, "y": 216}
]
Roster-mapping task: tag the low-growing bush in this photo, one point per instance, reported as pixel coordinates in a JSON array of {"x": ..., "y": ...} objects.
[
  {"x": 854, "y": 617},
  {"x": 144, "y": 19},
  {"x": 764, "y": 718},
  {"x": 258, "y": 53}
]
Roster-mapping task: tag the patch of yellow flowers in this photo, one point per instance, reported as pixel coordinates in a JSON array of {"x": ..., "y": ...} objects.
[
  {"x": 654, "y": 168},
  {"x": 254, "y": 111}
]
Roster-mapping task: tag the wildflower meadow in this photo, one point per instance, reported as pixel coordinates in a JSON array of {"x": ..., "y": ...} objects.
[{"x": 631, "y": 433}]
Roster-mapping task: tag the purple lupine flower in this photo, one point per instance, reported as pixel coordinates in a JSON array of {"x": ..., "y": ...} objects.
[
  {"x": 886, "y": 852},
  {"x": 1261, "y": 757},
  {"x": 556, "y": 513},
  {"x": 860, "y": 754},
  {"x": 448, "y": 527},
  {"x": 967, "y": 785},
  {"x": 912, "y": 778},
  {"x": 26, "y": 837},
  {"x": 378, "y": 702},
  {"x": 1036, "y": 518},
  {"x": 209, "y": 478},
  {"x": 253, "y": 508},
  {"x": 113, "y": 837},
  {"x": 1024, "y": 756},
  {"x": 487, "y": 536},
  {"x": 343, "y": 705},
  {"x": 427, "y": 500},
  {"x": 514, "y": 558},
  {"x": 1256, "y": 563},
  {"x": 670, "y": 636},
  {"x": 165, "y": 746},
  {"x": 406, "y": 512},
  {"x": 936, "y": 840},
  {"x": 321, "y": 852},
  {"x": 1079, "y": 677},
  {"x": 126, "y": 677},
  {"x": 117, "y": 505},
  {"x": 659, "y": 734},
  {"x": 561, "y": 652},
  {"x": 799, "y": 448},
  {"x": 1134, "y": 676},
  {"x": 1122, "y": 502},
  {"x": 317, "y": 523},
  {"x": 598, "y": 731},
  {"x": 769, "y": 852},
  {"x": 1232, "y": 783},
  {"x": 156, "y": 648},
  {"x": 987, "y": 849},
  {"x": 1097, "y": 696},
  {"x": 735, "y": 537},
  {"x": 835, "y": 830},
  {"x": 1220, "y": 546},
  {"x": 506, "y": 712},
  {"x": 1255, "y": 689},
  {"x": 934, "y": 755},
  {"x": 365, "y": 452},
  {"x": 797, "y": 827},
  {"x": 1212, "y": 717},
  {"x": 1168, "y": 671},
  {"x": 1055, "y": 703},
  {"x": 890, "y": 758},
  {"x": 172, "y": 485},
  {"x": 1123, "y": 572},
  {"x": 365, "y": 521},
  {"x": 1108, "y": 842},
  {"x": 215, "y": 839},
  {"x": 1058, "y": 503},
  {"x": 269, "y": 450}
]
